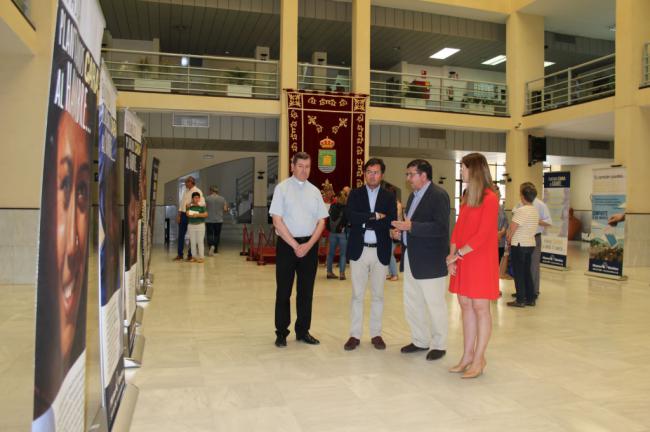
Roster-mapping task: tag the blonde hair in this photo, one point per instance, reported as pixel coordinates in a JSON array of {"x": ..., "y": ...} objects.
[
  {"x": 342, "y": 198},
  {"x": 479, "y": 178}
]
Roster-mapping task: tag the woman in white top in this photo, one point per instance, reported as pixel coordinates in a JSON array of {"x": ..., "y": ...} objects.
[{"x": 521, "y": 236}]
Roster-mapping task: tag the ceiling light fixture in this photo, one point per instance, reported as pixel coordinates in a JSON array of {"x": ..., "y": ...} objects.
[
  {"x": 548, "y": 63},
  {"x": 444, "y": 53},
  {"x": 495, "y": 60},
  {"x": 185, "y": 61}
]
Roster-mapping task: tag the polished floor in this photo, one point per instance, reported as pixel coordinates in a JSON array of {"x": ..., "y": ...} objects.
[{"x": 578, "y": 361}]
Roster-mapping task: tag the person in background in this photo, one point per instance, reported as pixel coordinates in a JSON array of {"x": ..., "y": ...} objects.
[
  {"x": 521, "y": 236},
  {"x": 473, "y": 264},
  {"x": 181, "y": 217},
  {"x": 337, "y": 226},
  {"x": 216, "y": 206},
  {"x": 502, "y": 229},
  {"x": 392, "y": 266},
  {"x": 545, "y": 220},
  {"x": 196, "y": 215}
]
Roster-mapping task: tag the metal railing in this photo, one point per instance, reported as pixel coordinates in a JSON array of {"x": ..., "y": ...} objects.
[
  {"x": 646, "y": 65},
  {"x": 402, "y": 90},
  {"x": 588, "y": 81},
  {"x": 323, "y": 78},
  {"x": 189, "y": 74}
]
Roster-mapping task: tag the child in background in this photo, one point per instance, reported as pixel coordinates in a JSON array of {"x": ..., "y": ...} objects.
[{"x": 196, "y": 215}]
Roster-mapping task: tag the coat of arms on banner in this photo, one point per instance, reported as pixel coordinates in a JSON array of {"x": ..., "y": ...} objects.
[{"x": 327, "y": 156}]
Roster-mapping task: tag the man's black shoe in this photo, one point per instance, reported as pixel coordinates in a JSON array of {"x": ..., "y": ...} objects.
[
  {"x": 411, "y": 348},
  {"x": 281, "y": 341},
  {"x": 436, "y": 354},
  {"x": 308, "y": 339}
]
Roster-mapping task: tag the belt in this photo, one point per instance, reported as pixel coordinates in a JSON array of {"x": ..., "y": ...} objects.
[
  {"x": 370, "y": 245},
  {"x": 302, "y": 239},
  {"x": 538, "y": 234}
]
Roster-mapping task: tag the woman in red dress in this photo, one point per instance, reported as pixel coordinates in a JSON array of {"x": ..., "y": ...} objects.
[{"x": 473, "y": 264}]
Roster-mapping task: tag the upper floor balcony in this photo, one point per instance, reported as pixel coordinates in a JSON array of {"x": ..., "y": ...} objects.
[
  {"x": 146, "y": 71},
  {"x": 585, "y": 82}
]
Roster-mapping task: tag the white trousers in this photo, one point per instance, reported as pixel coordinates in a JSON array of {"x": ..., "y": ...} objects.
[
  {"x": 367, "y": 267},
  {"x": 425, "y": 308},
  {"x": 197, "y": 234}
]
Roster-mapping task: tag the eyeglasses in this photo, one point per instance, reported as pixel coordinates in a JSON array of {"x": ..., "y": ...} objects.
[{"x": 411, "y": 174}]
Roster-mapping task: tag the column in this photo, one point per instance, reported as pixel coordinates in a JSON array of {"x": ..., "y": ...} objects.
[
  {"x": 288, "y": 77},
  {"x": 632, "y": 127},
  {"x": 525, "y": 62},
  {"x": 361, "y": 55}
]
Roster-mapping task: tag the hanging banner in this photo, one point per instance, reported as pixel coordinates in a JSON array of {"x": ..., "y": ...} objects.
[
  {"x": 111, "y": 307},
  {"x": 555, "y": 239},
  {"x": 608, "y": 222},
  {"x": 152, "y": 212},
  {"x": 62, "y": 274},
  {"x": 331, "y": 128},
  {"x": 132, "y": 166}
]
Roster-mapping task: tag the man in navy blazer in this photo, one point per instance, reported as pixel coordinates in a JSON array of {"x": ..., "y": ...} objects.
[
  {"x": 370, "y": 211},
  {"x": 425, "y": 244}
]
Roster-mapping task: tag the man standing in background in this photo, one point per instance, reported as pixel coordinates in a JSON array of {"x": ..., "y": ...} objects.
[
  {"x": 181, "y": 217},
  {"x": 217, "y": 206}
]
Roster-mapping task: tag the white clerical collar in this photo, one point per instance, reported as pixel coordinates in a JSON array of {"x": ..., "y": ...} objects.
[{"x": 298, "y": 181}]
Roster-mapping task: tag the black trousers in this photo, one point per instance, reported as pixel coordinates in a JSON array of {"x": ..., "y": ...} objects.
[
  {"x": 287, "y": 267},
  {"x": 182, "y": 230},
  {"x": 521, "y": 258},
  {"x": 213, "y": 234}
]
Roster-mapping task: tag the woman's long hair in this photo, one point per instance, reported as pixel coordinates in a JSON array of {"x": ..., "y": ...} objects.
[{"x": 479, "y": 178}]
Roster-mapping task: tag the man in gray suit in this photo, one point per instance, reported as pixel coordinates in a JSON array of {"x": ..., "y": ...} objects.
[{"x": 425, "y": 238}]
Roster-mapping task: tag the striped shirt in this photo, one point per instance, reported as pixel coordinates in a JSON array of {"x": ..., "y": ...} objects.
[{"x": 527, "y": 219}]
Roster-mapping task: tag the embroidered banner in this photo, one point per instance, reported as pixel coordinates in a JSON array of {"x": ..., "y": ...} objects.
[{"x": 331, "y": 128}]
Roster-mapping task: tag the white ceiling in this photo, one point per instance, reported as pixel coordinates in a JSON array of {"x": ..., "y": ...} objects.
[
  {"x": 588, "y": 18},
  {"x": 599, "y": 127}
]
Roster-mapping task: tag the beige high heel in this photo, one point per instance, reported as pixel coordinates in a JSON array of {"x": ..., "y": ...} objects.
[
  {"x": 460, "y": 367},
  {"x": 474, "y": 373}
]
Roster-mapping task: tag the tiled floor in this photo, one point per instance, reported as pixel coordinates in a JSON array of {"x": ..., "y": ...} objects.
[{"x": 576, "y": 362}]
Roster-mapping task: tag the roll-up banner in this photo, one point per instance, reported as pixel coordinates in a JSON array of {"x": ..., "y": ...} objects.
[
  {"x": 608, "y": 222},
  {"x": 152, "y": 212},
  {"x": 143, "y": 224},
  {"x": 111, "y": 305},
  {"x": 557, "y": 194},
  {"x": 62, "y": 274},
  {"x": 132, "y": 164}
]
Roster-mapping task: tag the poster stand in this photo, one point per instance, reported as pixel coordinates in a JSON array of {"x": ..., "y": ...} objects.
[
  {"x": 99, "y": 423},
  {"x": 139, "y": 315},
  {"x": 145, "y": 290},
  {"x": 606, "y": 276},
  {"x": 556, "y": 268},
  {"x": 124, "y": 415},
  {"x": 134, "y": 359}
]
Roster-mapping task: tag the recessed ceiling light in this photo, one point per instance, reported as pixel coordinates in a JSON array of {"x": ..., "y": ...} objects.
[
  {"x": 548, "y": 63},
  {"x": 495, "y": 60},
  {"x": 444, "y": 53},
  {"x": 185, "y": 61}
]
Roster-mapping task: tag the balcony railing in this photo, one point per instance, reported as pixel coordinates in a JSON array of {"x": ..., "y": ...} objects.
[
  {"x": 588, "y": 81},
  {"x": 189, "y": 74},
  {"x": 646, "y": 65},
  {"x": 402, "y": 90},
  {"x": 23, "y": 7},
  {"x": 323, "y": 78}
]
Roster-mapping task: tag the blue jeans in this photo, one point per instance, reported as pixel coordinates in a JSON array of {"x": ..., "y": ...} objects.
[
  {"x": 392, "y": 265},
  {"x": 340, "y": 240}
]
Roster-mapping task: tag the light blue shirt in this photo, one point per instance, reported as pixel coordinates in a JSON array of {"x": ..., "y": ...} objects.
[
  {"x": 370, "y": 236},
  {"x": 417, "y": 197},
  {"x": 300, "y": 205}
]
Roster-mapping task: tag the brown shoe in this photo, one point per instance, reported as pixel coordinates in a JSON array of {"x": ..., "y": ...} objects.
[
  {"x": 351, "y": 344},
  {"x": 178, "y": 258},
  {"x": 342, "y": 276},
  {"x": 331, "y": 276},
  {"x": 378, "y": 343}
]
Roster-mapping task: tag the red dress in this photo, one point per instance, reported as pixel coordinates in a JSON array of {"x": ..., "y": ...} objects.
[{"x": 477, "y": 274}]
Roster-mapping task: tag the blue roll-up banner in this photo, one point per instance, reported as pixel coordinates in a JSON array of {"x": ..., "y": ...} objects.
[
  {"x": 110, "y": 269},
  {"x": 557, "y": 190},
  {"x": 608, "y": 222}
]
